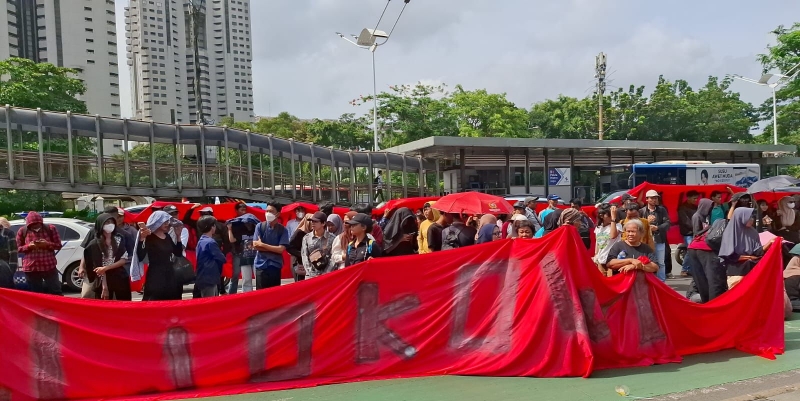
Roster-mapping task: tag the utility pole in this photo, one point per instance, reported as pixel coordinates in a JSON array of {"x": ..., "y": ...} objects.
[{"x": 600, "y": 74}]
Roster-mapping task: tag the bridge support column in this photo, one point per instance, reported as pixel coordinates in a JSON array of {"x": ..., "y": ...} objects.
[
  {"x": 509, "y": 173},
  {"x": 178, "y": 158},
  {"x": 527, "y": 171},
  {"x": 100, "y": 160},
  {"x": 127, "y": 165},
  {"x": 403, "y": 177},
  {"x": 153, "y": 156},
  {"x": 249, "y": 164},
  {"x": 352, "y": 178},
  {"x": 227, "y": 159},
  {"x": 388, "y": 194},
  {"x": 42, "y": 179},
  {"x": 371, "y": 179},
  {"x": 70, "y": 159},
  {"x": 546, "y": 172},
  {"x": 437, "y": 191},
  {"x": 421, "y": 177},
  {"x": 271, "y": 167},
  {"x": 202, "y": 156},
  {"x": 294, "y": 176},
  {"x": 462, "y": 155},
  {"x": 312, "y": 163},
  {"x": 10, "y": 144},
  {"x": 334, "y": 172}
]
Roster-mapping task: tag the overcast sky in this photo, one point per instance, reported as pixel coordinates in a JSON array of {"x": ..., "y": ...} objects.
[{"x": 532, "y": 50}]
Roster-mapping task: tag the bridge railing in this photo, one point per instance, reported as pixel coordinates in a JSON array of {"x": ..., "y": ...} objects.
[{"x": 68, "y": 152}]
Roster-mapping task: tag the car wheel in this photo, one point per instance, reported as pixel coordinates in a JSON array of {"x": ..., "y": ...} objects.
[{"x": 71, "y": 278}]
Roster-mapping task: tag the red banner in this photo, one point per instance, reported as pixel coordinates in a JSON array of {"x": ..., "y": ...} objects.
[
  {"x": 536, "y": 308},
  {"x": 673, "y": 196}
]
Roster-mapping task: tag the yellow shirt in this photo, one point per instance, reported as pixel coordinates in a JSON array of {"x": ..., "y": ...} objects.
[
  {"x": 648, "y": 236},
  {"x": 422, "y": 237}
]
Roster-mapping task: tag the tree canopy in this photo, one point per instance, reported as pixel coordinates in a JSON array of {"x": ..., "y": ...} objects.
[{"x": 25, "y": 83}]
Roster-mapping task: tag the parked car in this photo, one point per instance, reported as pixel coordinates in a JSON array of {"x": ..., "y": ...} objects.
[
  {"x": 542, "y": 199},
  {"x": 137, "y": 208},
  {"x": 72, "y": 233}
]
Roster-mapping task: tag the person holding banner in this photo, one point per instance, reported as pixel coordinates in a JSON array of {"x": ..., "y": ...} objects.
[
  {"x": 155, "y": 244},
  {"x": 271, "y": 240},
  {"x": 632, "y": 254},
  {"x": 361, "y": 248},
  {"x": 658, "y": 219}
]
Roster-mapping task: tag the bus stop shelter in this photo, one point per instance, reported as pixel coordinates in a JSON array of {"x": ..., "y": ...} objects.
[{"x": 569, "y": 167}]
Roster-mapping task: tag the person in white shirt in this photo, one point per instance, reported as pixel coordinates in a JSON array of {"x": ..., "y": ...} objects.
[{"x": 607, "y": 233}]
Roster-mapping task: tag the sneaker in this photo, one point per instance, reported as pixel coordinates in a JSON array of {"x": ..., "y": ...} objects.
[{"x": 670, "y": 276}]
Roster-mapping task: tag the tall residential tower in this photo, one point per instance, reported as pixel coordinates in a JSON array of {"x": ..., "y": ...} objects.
[
  {"x": 75, "y": 34},
  {"x": 161, "y": 54}
]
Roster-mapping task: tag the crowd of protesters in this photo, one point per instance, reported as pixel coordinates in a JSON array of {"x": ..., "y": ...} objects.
[{"x": 627, "y": 238}]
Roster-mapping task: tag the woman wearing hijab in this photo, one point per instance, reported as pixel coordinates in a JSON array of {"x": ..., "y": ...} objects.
[
  {"x": 741, "y": 246},
  {"x": 786, "y": 223},
  {"x": 431, "y": 216},
  {"x": 488, "y": 233},
  {"x": 105, "y": 257},
  {"x": 570, "y": 217},
  {"x": 339, "y": 246},
  {"x": 708, "y": 276},
  {"x": 334, "y": 224},
  {"x": 550, "y": 223},
  {"x": 400, "y": 235},
  {"x": 485, "y": 220},
  {"x": 511, "y": 230},
  {"x": 155, "y": 244}
]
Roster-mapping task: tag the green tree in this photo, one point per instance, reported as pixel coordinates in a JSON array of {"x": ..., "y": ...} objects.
[
  {"x": 783, "y": 56},
  {"x": 565, "y": 117},
  {"x": 348, "y": 132},
  {"x": 24, "y": 83},
  {"x": 479, "y": 113}
]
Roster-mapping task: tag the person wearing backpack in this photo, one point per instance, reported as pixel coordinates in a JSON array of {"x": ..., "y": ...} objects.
[
  {"x": 271, "y": 240},
  {"x": 39, "y": 243},
  {"x": 361, "y": 248},
  {"x": 457, "y": 234}
]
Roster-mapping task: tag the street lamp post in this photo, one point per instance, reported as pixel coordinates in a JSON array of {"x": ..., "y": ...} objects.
[
  {"x": 368, "y": 39},
  {"x": 764, "y": 81}
]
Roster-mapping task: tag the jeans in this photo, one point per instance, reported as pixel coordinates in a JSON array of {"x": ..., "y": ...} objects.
[
  {"x": 247, "y": 278},
  {"x": 660, "y": 254},
  {"x": 44, "y": 282},
  {"x": 233, "y": 286},
  {"x": 686, "y": 265},
  {"x": 208, "y": 292},
  {"x": 267, "y": 278}
]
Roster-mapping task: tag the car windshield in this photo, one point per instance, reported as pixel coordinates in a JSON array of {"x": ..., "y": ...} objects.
[{"x": 611, "y": 196}]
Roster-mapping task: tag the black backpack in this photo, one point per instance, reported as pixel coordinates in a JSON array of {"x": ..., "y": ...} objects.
[{"x": 451, "y": 240}]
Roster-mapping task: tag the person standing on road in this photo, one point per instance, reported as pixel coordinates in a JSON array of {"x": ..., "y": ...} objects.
[
  {"x": 361, "y": 248},
  {"x": 240, "y": 235},
  {"x": 105, "y": 257},
  {"x": 552, "y": 201},
  {"x": 658, "y": 219},
  {"x": 39, "y": 244},
  {"x": 316, "y": 251},
  {"x": 530, "y": 212},
  {"x": 685, "y": 213},
  {"x": 271, "y": 240},
  {"x": 209, "y": 260},
  {"x": 155, "y": 243}
]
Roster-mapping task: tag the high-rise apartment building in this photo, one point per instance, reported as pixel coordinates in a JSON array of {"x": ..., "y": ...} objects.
[
  {"x": 75, "y": 34},
  {"x": 161, "y": 55}
]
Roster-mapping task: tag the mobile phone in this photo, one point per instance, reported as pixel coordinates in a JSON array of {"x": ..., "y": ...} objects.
[{"x": 141, "y": 225}]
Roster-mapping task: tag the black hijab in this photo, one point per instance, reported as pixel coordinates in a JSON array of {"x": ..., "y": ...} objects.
[{"x": 402, "y": 222}]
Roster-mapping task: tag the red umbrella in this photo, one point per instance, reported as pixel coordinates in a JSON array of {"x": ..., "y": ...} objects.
[{"x": 473, "y": 203}]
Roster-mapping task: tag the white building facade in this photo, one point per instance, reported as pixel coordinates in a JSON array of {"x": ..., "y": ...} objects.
[
  {"x": 161, "y": 56},
  {"x": 80, "y": 35}
]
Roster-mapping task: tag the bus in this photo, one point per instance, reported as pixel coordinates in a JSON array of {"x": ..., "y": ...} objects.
[{"x": 627, "y": 176}]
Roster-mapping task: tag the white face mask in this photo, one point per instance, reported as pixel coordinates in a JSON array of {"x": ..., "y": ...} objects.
[
  {"x": 300, "y": 214},
  {"x": 791, "y": 205},
  {"x": 271, "y": 217},
  {"x": 109, "y": 228}
]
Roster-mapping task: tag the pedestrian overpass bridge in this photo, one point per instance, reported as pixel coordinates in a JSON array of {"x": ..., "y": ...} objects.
[{"x": 64, "y": 152}]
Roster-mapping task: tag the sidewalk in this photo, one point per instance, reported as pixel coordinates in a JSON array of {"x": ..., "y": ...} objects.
[{"x": 707, "y": 372}]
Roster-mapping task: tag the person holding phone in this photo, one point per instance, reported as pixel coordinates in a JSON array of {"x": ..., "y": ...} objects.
[{"x": 39, "y": 244}]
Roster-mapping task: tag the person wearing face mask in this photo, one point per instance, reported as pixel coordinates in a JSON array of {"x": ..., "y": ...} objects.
[
  {"x": 786, "y": 223},
  {"x": 271, "y": 240},
  {"x": 155, "y": 244},
  {"x": 292, "y": 225},
  {"x": 39, "y": 243},
  {"x": 105, "y": 257}
]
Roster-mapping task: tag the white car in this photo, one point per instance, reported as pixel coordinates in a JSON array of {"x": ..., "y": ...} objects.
[{"x": 72, "y": 233}]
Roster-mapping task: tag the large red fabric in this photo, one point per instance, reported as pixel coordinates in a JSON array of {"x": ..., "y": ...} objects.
[
  {"x": 536, "y": 308},
  {"x": 473, "y": 203},
  {"x": 673, "y": 196}
]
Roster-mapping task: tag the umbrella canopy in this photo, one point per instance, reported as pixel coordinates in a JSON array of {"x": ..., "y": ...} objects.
[
  {"x": 473, "y": 203},
  {"x": 772, "y": 183}
]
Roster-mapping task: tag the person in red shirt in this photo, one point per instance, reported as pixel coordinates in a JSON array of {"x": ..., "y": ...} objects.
[{"x": 39, "y": 244}]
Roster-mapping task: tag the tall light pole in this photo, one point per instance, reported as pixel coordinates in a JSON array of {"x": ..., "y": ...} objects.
[
  {"x": 600, "y": 74},
  {"x": 764, "y": 81},
  {"x": 368, "y": 39}
]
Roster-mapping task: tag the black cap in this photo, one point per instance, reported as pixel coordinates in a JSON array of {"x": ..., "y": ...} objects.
[
  {"x": 360, "y": 218},
  {"x": 319, "y": 217},
  {"x": 632, "y": 206},
  {"x": 170, "y": 209},
  {"x": 519, "y": 205}
]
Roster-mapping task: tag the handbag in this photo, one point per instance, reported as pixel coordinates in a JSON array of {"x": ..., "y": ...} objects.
[
  {"x": 318, "y": 259},
  {"x": 714, "y": 234},
  {"x": 183, "y": 270}
]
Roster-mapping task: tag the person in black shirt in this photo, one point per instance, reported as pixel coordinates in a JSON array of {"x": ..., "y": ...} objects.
[
  {"x": 401, "y": 233},
  {"x": 631, "y": 254},
  {"x": 435, "y": 233},
  {"x": 361, "y": 248}
]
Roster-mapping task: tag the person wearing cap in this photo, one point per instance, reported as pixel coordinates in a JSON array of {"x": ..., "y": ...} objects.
[
  {"x": 271, "y": 240},
  {"x": 530, "y": 212},
  {"x": 316, "y": 250},
  {"x": 658, "y": 220},
  {"x": 552, "y": 204},
  {"x": 431, "y": 216},
  {"x": 626, "y": 199},
  {"x": 507, "y": 230},
  {"x": 632, "y": 213},
  {"x": 240, "y": 235},
  {"x": 361, "y": 248}
]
